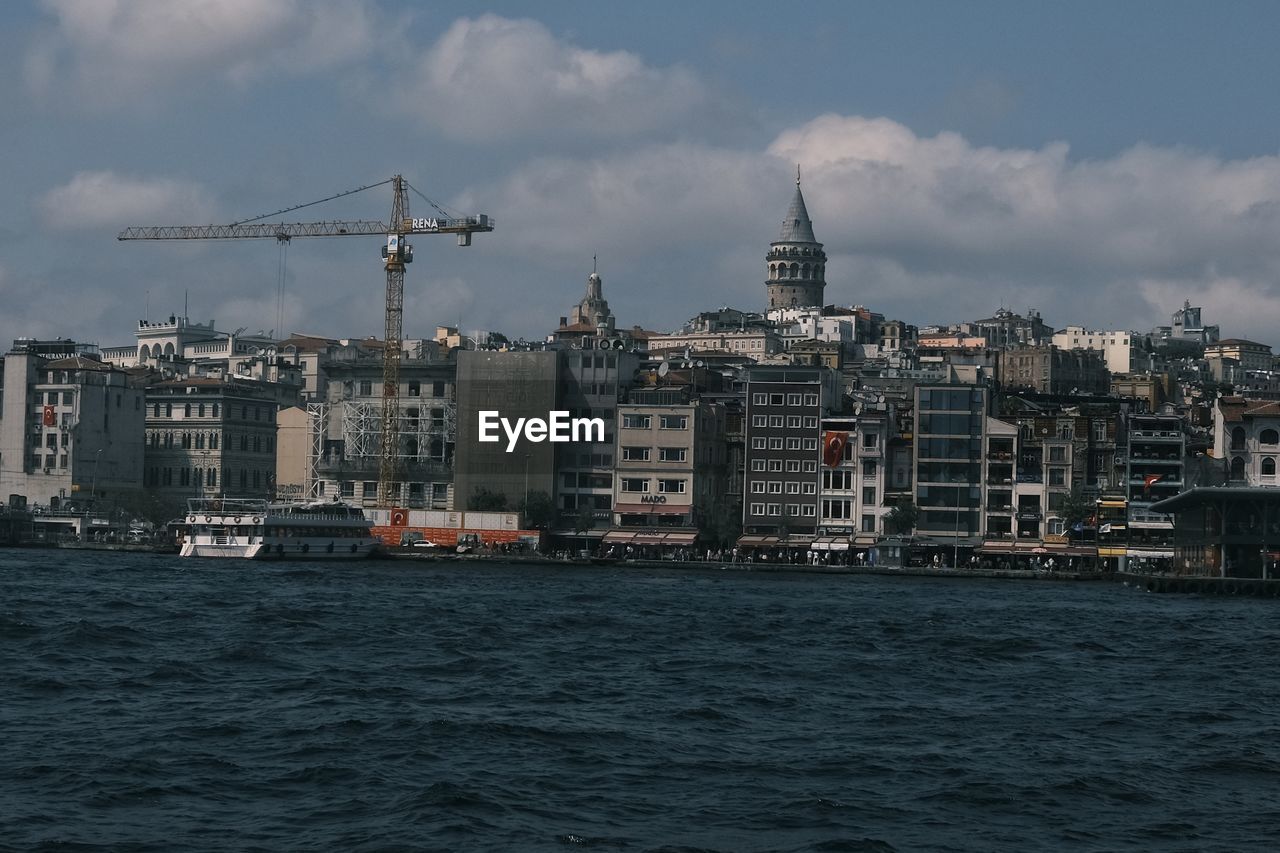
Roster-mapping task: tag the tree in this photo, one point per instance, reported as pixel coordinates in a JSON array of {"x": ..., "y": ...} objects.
[
  {"x": 539, "y": 510},
  {"x": 902, "y": 519},
  {"x": 1075, "y": 509},
  {"x": 484, "y": 500},
  {"x": 584, "y": 520},
  {"x": 149, "y": 505},
  {"x": 720, "y": 522}
]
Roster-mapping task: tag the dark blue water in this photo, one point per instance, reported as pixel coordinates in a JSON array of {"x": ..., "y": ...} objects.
[{"x": 150, "y": 703}]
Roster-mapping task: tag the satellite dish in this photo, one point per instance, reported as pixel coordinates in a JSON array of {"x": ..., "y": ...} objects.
[{"x": 664, "y": 369}]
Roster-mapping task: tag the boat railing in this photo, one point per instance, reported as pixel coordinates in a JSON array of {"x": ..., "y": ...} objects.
[{"x": 226, "y": 506}]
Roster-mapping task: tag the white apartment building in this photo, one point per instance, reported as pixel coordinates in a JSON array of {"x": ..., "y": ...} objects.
[{"x": 1122, "y": 349}]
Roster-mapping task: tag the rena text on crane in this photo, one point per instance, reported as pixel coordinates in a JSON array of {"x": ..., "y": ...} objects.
[{"x": 557, "y": 427}]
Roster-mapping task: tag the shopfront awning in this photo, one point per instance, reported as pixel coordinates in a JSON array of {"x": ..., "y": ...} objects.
[
  {"x": 650, "y": 537},
  {"x": 652, "y": 509},
  {"x": 756, "y": 541},
  {"x": 831, "y": 543}
]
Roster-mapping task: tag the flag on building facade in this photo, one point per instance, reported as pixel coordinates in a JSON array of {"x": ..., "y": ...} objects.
[
  {"x": 1150, "y": 480},
  {"x": 833, "y": 444},
  {"x": 50, "y": 416}
]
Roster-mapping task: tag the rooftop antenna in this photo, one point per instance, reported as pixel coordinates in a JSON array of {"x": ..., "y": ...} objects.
[
  {"x": 593, "y": 264},
  {"x": 797, "y": 174}
]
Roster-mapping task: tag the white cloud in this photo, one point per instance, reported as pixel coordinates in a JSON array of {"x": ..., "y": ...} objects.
[
  {"x": 924, "y": 228},
  {"x": 488, "y": 76},
  {"x": 112, "y": 50},
  {"x": 93, "y": 199}
]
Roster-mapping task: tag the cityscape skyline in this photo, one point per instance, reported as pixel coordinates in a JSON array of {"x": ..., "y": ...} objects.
[{"x": 974, "y": 179}]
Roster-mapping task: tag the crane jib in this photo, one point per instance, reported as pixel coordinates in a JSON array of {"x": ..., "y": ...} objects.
[{"x": 430, "y": 225}]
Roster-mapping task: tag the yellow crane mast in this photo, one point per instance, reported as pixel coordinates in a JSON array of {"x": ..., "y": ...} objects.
[{"x": 396, "y": 254}]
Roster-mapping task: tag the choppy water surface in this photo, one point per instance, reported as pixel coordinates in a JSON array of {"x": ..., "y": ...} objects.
[{"x": 152, "y": 703}]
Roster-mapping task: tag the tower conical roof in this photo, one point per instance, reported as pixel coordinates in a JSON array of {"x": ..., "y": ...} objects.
[{"x": 797, "y": 227}]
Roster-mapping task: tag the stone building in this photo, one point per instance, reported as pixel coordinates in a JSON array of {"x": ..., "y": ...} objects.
[
  {"x": 1049, "y": 370},
  {"x": 797, "y": 264},
  {"x": 71, "y": 425}
]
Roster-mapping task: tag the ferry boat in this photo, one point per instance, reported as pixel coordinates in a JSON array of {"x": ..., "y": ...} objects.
[{"x": 252, "y": 529}]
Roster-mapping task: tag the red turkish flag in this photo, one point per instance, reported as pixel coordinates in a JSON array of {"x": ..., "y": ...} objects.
[
  {"x": 50, "y": 417},
  {"x": 399, "y": 517},
  {"x": 833, "y": 444}
]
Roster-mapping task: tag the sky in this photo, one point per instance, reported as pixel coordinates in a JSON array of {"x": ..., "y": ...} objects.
[{"x": 1099, "y": 162}]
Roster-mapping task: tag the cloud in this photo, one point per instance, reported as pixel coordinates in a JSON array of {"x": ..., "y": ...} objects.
[
  {"x": 111, "y": 50},
  {"x": 95, "y": 199},
  {"x": 490, "y": 76},
  {"x": 925, "y": 228}
]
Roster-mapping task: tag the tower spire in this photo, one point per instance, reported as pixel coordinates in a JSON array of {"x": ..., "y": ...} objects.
[{"x": 797, "y": 176}]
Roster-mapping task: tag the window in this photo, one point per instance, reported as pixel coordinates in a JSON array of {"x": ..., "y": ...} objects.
[
  {"x": 811, "y": 444},
  {"x": 671, "y": 487},
  {"x": 809, "y": 510},
  {"x": 415, "y": 389},
  {"x": 793, "y": 466},
  {"x": 837, "y": 480},
  {"x": 1057, "y": 453},
  {"x": 869, "y": 495},
  {"x": 793, "y": 488},
  {"x": 793, "y": 510},
  {"x": 186, "y": 410},
  {"x": 775, "y": 509},
  {"x": 870, "y": 440},
  {"x": 775, "y": 444},
  {"x": 671, "y": 454},
  {"x": 1268, "y": 466},
  {"x": 868, "y": 524},
  {"x": 366, "y": 388},
  {"x": 793, "y": 399},
  {"x": 793, "y": 444},
  {"x": 811, "y": 399},
  {"x": 775, "y": 421},
  {"x": 635, "y": 484},
  {"x": 1269, "y": 436},
  {"x": 673, "y": 422},
  {"x": 757, "y": 487},
  {"x": 635, "y": 421},
  {"x": 810, "y": 488},
  {"x": 757, "y": 464},
  {"x": 810, "y": 423},
  {"x": 758, "y": 443},
  {"x": 775, "y": 465},
  {"x": 1057, "y": 476},
  {"x": 635, "y": 454},
  {"x": 837, "y": 509},
  {"x": 757, "y": 509},
  {"x": 775, "y": 488},
  {"x": 793, "y": 422},
  {"x": 810, "y": 466},
  {"x": 868, "y": 468},
  {"x": 776, "y": 399},
  {"x": 759, "y": 420},
  {"x": 759, "y": 399}
]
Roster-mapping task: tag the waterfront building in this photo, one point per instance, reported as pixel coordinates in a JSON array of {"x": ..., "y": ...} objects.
[
  {"x": 1225, "y": 531},
  {"x": 345, "y": 430},
  {"x": 592, "y": 380},
  {"x": 796, "y": 262},
  {"x": 950, "y": 433},
  {"x": 213, "y": 435},
  {"x": 1246, "y": 441},
  {"x": 784, "y": 408},
  {"x": 71, "y": 425},
  {"x": 851, "y": 505},
  {"x": 519, "y": 384},
  {"x": 1155, "y": 460},
  {"x": 671, "y": 468}
]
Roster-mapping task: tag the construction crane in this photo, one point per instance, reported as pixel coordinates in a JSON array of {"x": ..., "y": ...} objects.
[{"x": 396, "y": 253}]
